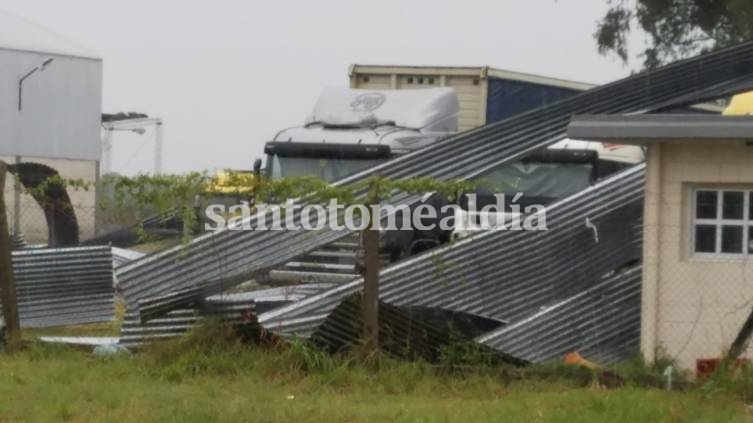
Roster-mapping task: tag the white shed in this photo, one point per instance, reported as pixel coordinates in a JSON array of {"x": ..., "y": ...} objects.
[{"x": 49, "y": 115}]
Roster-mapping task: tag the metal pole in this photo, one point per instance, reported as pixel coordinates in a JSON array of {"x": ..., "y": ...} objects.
[
  {"x": 17, "y": 200},
  {"x": 21, "y": 87},
  {"x": 7, "y": 285},
  {"x": 158, "y": 148}
]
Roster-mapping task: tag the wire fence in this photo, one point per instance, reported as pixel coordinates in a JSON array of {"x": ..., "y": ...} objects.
[
  {"x": 29, "y": 221},
  {"x": 698, "y": 276},
  {"x": 694, "y": 290},
  {"x": 80, "y": 216}
]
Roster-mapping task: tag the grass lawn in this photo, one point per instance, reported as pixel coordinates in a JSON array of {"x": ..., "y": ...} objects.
[{"x": 211, "y": 377}]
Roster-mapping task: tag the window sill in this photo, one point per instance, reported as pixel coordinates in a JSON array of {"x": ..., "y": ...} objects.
[{"x": 719, "y": 258}]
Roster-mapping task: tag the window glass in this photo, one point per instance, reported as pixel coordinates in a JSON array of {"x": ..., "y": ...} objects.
[
  {"x": 732, "y": 239},
  {"x": 750, "y": 206},
  {"x": 540, "y": 183},
  {"x": 706, "y": 204},
  {"x": 705, "y": 239},
  {"x": 326, "y": 169},
  {"x": 750, "y": 240},
  {"x": 733, "y": 203}
]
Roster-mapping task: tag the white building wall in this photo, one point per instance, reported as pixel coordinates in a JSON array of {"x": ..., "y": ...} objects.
[
  {"x": 59, "y": 126},
  {"x": 61, "y": 106},
  {"x": 692, "y": 307}
]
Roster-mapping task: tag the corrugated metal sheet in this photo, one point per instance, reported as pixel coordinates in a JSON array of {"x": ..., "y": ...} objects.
[
  {"x": 81, "y": 341},
  {"x": 134, "y": 333},
  {"x": 504, "y": 275},
  {"x": 403, "y": 332},
  {"x": 272, "y": 298},
  {"x": 602, "y": 323},
  {"x": 121, "y": 256},
  {"x": 215, "y": 257},
  {"x": 233, "y": 307},
  {"x": 67, "y": 286}
]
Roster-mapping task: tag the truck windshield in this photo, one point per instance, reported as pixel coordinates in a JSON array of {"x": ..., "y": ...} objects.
[
  {"x": 327, "y": 169},
  {"x": 540, "y": 183}
]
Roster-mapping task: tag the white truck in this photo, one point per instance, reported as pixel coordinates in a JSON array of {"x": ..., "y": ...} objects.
[
  {"x": 542, "y": 178},
  {"x": 351, "y": 130}
]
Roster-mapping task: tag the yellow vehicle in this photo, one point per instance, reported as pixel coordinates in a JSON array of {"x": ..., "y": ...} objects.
[
  {"x": 229, "y": 188},
  {"x": 741, "y": 104}
]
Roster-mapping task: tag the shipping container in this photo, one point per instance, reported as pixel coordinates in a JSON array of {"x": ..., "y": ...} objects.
[{"x": 485, "y": 94}]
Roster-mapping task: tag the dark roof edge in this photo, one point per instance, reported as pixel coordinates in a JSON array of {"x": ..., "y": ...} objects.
[{"x": 644, "y": 129}]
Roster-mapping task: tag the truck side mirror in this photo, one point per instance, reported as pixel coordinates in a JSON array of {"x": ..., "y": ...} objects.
[
  {"x": 257, "y": 167},
  {"x": 257, "y": 177}
]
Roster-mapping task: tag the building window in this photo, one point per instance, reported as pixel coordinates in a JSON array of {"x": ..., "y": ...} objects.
[{"x": 722, "y": 222}]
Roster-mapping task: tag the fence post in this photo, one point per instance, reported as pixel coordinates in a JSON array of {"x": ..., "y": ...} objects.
[
  {"x": 7, "y": 285},
  {"x": 371, "y": 275},
  {"x": 17, "y": 201}
]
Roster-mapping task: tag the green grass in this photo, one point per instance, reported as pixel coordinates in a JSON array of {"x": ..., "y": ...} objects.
[{"x": 211, "y": 376}]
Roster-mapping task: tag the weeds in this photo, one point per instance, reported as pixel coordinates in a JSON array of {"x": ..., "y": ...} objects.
[
  {"x": 213, "y": 375},
  {"x": 730, "y": 380}
]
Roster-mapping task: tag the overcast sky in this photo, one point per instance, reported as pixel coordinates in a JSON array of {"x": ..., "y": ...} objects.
[{"x": 227, "y": 74}]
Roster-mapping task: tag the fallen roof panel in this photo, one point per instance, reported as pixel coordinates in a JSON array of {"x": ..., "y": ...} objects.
[
  {"x": 601, "y": 323},
  {"x": 214, "y": 258},
  {"x": 64, "y": 286},
  {"x": 504, "y": 275}
]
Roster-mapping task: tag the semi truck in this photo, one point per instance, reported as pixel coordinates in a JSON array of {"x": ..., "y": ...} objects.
[
  {"x": 541, "y": 178},
  {"x": 351, "y": 130}
]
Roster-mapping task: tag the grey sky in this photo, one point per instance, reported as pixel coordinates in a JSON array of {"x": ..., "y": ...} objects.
[{"x": 227, "y": 74}]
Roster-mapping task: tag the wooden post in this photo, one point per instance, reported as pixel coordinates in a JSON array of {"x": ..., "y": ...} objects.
[
  {"x": 371, "y": 275},
  {"x": 7, "y": 285}
]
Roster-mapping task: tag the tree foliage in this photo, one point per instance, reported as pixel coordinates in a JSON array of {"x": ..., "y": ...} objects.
[
  {"x": 131, "y": 199},
  {"x": 674, "y": 28}
]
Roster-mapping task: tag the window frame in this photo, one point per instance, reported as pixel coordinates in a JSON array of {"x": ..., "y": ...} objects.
[{"x": 746, "y": 223}]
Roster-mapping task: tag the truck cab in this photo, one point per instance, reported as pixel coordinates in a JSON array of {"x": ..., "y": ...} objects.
[
  {"x": 351, "y": 130},
  {"x": 541, "y": 178}
]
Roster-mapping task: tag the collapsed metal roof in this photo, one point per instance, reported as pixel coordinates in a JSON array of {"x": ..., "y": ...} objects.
[
  {"x": 66, "y": 286},
  {"x": 223, "y": 258},
  {"x": 232, "y": 308},
  {"x": 500, "y": 274},
  {"x": 602, "y": 322}
]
